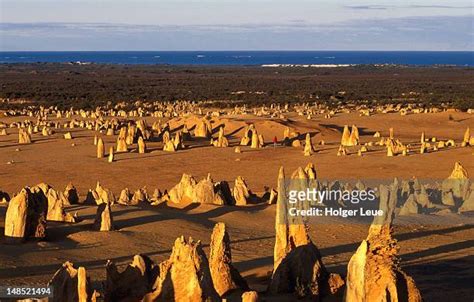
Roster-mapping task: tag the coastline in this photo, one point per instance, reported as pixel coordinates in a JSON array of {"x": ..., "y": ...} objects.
[{"x": 244, "y": 58}]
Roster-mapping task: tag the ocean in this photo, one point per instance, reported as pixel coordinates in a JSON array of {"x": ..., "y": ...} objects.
[{"x": 421, "y": 58}]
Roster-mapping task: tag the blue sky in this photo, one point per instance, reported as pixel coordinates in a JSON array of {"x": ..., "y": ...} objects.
[{"x": 236, "y": 25}]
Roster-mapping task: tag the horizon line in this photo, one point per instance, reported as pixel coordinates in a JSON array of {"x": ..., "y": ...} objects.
[{"x": 245, "y": 50}]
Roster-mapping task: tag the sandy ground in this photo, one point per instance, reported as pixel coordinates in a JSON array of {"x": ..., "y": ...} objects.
[{"x": 439, "y": 256}]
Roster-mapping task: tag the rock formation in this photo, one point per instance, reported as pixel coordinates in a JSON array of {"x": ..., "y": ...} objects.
[
  {"x": 221, "y": 141},
  {"x": 308, "y": 146},
  {"x": 56, "y": 202},
  {"x": 224, "y": 276},
  {"x": 139, "y": 196},
  {"x": 121, "y": 145},
  {"x": 178, "y": 141},
  {"x": 183, "y": 191},
  {"x": 423, "y": 148},
  {"x": 255, "y": 140},
  {"x": 467, "y": 137},
  {"x": 70, "y": 194},
  {"x": 23, "y": 136},
  {"x": 246, "y": 139},
  {"x": 141, "y": 145},
  {"x": 310, "y": 171},
  {"x": 133, "y": 283},
  {"x": 185, "y": 276},
  {"x": 241, "y": 193},
  {"x": 101, "y": 195},
  {"x": 374, "y": 273},
  {"x": 26, "y": 216},
  {"x": 296, "y": 143},
  {"x": 103, "y": 218},
  {"x": 468, "y": 204},
  {"x": 341, "y": 151},
  {"x": 346, "y": 137},
  {"x": 4, "y": 197},
  {"x": 169, "y": 146},
  {"x": 111, "y": 154},
  {"x": 185, "y": 132},
  {"x": 46, "y": 132},
  {"x": 203, "y": 129},
  {"x": 125, "y": 197},
  {"x": 204, "y": 191},
  {"x": 272, "y": 196},
  {"x": 297, "y": 262},
  {"x": 67, "y": 135},
  {"x": 410, "y": 206},
  {"x": 390, "y": 151},
  {"x": 250, "y": 296},
  {"x": 458, "y": 172},
  {"x": 354, "y": 138},
  {"x": 350, "y": 138},
  {"x": 455, "y": 188},
  {"x": 71, "y": 284},
  {"x": 142, "y": 129}
]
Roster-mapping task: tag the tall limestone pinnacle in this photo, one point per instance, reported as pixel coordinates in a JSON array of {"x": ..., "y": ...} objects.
[
  {"x": 297, "y": 267},
  {"x": 374, "y": 273},
  {"x": 308, "y": 146},
  {"x": 224, "y": 276}
]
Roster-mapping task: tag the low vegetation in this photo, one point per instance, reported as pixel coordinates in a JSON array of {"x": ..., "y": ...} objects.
[{"x": 88, "y": 86}]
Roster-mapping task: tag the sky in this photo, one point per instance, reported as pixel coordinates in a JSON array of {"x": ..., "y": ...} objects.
[{"x": 42, "y": 25}]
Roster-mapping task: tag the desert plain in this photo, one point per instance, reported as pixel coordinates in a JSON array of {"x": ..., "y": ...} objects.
[{"x": 436, "y": 249}]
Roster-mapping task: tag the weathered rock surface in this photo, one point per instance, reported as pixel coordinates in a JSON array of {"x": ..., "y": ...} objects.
[
  {"x": 297, "y": 267},
  {"x": 374, "y": 273},
  {"x": 350, "y": 138},
  {"x": 56, "y": 203},
  {"x": 70, "y": 193},
  {"x": 125, "y": 197},
  {"x": 100, "y": 148},
  {"x": 250, "y": 296},
  {"x": 410, "y": 206},
  {"x": 203, "y": 128},
  {"x": 111, "y": 157},
  {"x": 101, "y": 195},
  {"x": 204, "y": 191},
  {"x": 133, "y": 283},
  {"x": 139, "y": 196},
  {"x": 224, "y": 276},
  {"x": 24, "y": 137},
  {"x": 185, "y": 276},
  {"x": 468, "y": 204},
  {"x": 141, "y": 145},
  {"x": 183, "y": 191},
  {"x": 26, "y": 216},
  {"x": 221, "y": 141},
  {"x": 241, "y": 192},
  {"x": 308, "y": 146},
  {"x": 71, "y": 284},
  {"x": 455, "y": 189},
  {"x": 103, "y": 219}
]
